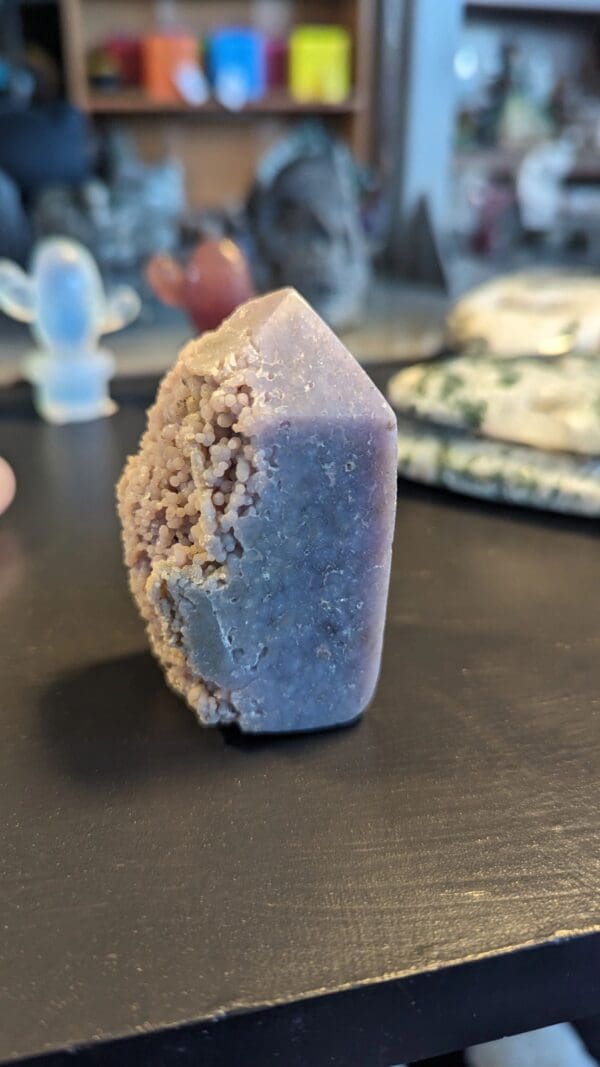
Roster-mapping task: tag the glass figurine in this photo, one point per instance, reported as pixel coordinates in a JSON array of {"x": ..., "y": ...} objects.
[
  {"x": 63, "y": 299},
  {"x": 215, "y": 280}
]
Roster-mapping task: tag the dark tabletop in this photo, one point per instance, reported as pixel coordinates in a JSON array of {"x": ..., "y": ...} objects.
[{"x": 425, "y": 879}]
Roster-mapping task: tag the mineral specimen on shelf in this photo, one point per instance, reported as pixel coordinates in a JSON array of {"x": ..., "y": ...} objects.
[
  {"x": 304, "y": 214},
  {"x": 257, "y": 522},
  {"x": 132, "y": 214}
]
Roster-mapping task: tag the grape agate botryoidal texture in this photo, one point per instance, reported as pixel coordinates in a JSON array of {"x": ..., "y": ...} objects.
[{"x": 257, "y": 522}]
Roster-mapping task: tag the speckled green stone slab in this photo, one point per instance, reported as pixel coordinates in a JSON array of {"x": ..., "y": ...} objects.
[{"x": 492, "y": 470}]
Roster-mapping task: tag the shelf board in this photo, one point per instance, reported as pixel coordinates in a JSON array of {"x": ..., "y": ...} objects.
[
  {"x": 566, "y": 7},
  {"x": 278, "y": 103},
  {"x": 503, "y": 163}
]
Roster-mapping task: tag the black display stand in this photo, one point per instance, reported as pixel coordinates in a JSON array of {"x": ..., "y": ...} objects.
[{"x": 423, "y": 880}]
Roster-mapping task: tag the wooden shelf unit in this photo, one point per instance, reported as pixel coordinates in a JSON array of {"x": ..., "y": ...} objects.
[{"x": 220, "y": 157}]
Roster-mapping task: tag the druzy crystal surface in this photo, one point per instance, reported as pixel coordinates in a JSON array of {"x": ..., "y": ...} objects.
[{"x": 257, "y": 522}]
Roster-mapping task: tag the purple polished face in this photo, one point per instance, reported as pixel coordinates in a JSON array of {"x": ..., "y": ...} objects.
[{"x": 304, "y": 607}]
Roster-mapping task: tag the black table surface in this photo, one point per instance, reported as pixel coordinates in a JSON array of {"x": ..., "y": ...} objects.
[{"x": 425, "y": 879}]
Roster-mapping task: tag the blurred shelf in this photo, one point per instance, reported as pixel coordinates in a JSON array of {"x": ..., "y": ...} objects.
[
  {"x": 277, "y": 103},
  {"x": 503, "y": 163},
  {"x": 221, "y": 149},
  {"x": 564, "y": 7}
]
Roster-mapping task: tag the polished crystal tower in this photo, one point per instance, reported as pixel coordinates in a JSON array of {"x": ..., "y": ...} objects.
[{"x": 257, "y": 522}]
